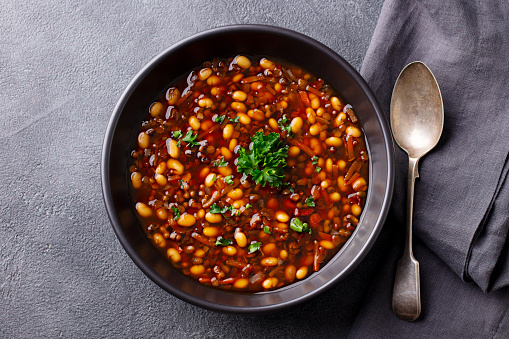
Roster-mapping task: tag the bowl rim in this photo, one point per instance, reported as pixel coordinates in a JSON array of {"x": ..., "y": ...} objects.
[{"x": 115, "y": 220}]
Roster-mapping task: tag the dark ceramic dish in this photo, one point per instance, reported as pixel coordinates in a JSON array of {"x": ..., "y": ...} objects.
[{"x": 226, "y": 42}]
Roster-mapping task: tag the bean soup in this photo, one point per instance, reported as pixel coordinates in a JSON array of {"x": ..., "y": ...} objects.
[{"x": 249, "y": 173}]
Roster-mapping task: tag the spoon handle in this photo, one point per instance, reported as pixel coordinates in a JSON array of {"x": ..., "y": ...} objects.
[{"x": 406, "y": 296}]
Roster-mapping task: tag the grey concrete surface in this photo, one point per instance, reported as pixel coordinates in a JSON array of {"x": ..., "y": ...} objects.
[{"x": 63, "y": 66}]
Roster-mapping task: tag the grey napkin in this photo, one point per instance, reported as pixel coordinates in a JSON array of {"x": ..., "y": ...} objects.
[
  {"x": 461, "y": 209},
  {"x": 451, "y": 308}
]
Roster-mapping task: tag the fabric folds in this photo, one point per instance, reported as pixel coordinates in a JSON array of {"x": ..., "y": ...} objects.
[{"x": 461, "y": 209}]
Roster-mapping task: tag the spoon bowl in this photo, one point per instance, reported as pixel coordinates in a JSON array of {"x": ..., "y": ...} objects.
[
  {"x": 417, "y": 120},
  {"x": 417, "y": 111}
]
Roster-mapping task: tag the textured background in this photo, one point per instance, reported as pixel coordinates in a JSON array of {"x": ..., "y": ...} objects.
[{"x": 63, "y": 66}]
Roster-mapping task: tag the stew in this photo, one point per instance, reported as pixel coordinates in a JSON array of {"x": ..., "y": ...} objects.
[{"x": 249, "y": 173}]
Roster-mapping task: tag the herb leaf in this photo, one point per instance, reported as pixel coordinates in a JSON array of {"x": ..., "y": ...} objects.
[
  {"x": 219, "y": 119},
  {"x": 230, "y": 209},
  {"x": 236, "y": 119},
  {"x": 298, "y": 226},
  {"x": 176, "y": 212},
  {"x": 223, "y": 242},
  {"x": 314, "y": 161},
  {"x": 253, "y": 247},
  {"x": 284, "y": 124},
  {"x": 266, "y": 229},
  {"x": 310, "y": 201},
  {"x": 176, "y": 135},
  {"x": 229, "y": 179},
  {"x": 190, "y": 138},
  {"x": 265, "y": 161},
  {"x": 215, "y": 209},
  {"x": 220, "y": 162}
]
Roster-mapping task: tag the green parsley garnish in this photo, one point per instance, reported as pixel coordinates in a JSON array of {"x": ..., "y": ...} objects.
[
  {"x": 248, "y": 205},
  {"x": 284, "y": 124},
  {"x": 177, "y": 135},
  {"x": 265, "y": 161},
  {"x": 229, "y": 179},
  {"x": 255, "y": 246},
  {"x": 219, "y": 119},
  {"x": 230, "y": 209},
  {"x": 310, "y": 201},
  {"x": 220, "y": 162},
  {"x": 223, "y": 242},
  {"x": 190, "y": 138},
  {"x": 236, "y": 119},
  {"x": 215, "y": 209},
  {"x": 266, "y": 229},
  {"x": 176, "y": 212},
  {"x": 314, "y": 161},
  {"x": 298, "y": 226}
]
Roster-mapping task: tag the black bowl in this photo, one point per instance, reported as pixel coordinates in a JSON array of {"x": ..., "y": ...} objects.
[{"x": 227, "y": 42}]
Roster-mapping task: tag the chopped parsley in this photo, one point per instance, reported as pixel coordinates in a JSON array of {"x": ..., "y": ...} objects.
[
  {"x": 176, "y": 212},
  {"x": 248, "y": 205},
  {"x": 236, "y": 119},
  {"x": 284, "y": 124},
  {"x": 227, "y": 209},
  {"x": 310, "y": 201},
  {"x": 219, "y": 119},
  {"x": 215, "y": 209},
  {"x": 220, "y": 162},
  {"x": 298, "y": 226},
  {"x": 314, "y": 161},
  {"x": 177, "y": 135},
  {"x": 190, "y": 138},
  {"x": 229, "y": 179},
  {"x": 266, "y": 229},
  {"x": 265, "y": 161},
  {"x": 255, "y": 246},
  {"x": 223, "y": 242}
]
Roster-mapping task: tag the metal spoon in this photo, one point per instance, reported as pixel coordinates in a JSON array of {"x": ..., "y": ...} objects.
[{"x": 417, "y": 120}]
